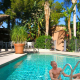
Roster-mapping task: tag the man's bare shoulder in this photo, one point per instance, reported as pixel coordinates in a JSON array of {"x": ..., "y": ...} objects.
[
  {"x": 50, "y": 71},
  {"x": 60, "y": 69}
]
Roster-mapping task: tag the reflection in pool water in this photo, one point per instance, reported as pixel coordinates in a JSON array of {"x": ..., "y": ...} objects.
[{"x": 17, "y": 64}]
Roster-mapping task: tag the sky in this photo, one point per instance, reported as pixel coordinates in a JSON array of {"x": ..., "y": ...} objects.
[{"x": 61, "y": 19}]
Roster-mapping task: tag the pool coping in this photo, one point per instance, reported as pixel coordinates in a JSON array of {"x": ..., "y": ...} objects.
[
  {"x": 44, "y": 51},
  {"x": 12, "y": 60},
  {"x": 49, "y": 52}
]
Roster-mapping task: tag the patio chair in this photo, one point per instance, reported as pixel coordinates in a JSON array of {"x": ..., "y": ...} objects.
[{"x": 30, "y": 44}]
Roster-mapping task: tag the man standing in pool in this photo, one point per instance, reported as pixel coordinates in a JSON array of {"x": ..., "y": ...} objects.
[{"x": 55, "y": 72}]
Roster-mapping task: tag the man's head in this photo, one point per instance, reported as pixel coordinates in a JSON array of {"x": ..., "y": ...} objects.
[{"x": 53, "y": 64}]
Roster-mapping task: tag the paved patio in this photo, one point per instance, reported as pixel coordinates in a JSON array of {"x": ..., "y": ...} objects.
[{"x": 8, "y": 56}]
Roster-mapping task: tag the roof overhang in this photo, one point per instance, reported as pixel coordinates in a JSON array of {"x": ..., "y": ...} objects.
[{"x": 4, "y": 17}]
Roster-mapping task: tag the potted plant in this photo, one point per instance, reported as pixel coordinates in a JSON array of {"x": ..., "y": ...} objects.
[{"x": 18, "y": 36}]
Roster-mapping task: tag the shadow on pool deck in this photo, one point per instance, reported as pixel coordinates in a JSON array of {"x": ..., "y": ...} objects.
[
  {"x": 6, "y": 53},
  {"x": 28, "y": 52},
  {"x": 2, "y": 54}
]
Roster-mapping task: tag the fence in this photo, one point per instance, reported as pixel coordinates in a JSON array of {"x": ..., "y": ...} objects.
[{"x": 70, "y": 45}]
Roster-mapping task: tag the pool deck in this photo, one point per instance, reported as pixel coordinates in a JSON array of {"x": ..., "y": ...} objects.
[
  {"x": 7, "y": 56},
  {"x": 49, "y": 52}
]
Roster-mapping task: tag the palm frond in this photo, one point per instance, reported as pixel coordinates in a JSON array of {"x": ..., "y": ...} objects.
[{"x": 72, "y": 7}]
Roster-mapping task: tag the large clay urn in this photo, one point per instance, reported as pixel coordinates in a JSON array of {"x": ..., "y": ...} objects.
[{"x": 19, "y": 48}]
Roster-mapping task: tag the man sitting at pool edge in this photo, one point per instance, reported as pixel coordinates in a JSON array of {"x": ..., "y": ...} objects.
[{"x": 55, "y": 72}]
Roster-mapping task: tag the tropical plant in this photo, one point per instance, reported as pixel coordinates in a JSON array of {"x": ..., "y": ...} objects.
[
  {"x": 67, "y": 13},
  {"x": 74, "y": 13},
  {"x": 78, "y": 6},
  {"x": 78, "y": 23},
  {"x": 38, "y": 17},
  {"x": 70, "y": 45},
  {"x": 18, "y": 34},
  {"x": 34, "y": 25},
  {"x": 78, "y": 30},
  {"x": 23, "y": 9},
  {"x": 56, "y": 13},
  {"x": 40, "y": 20},
  {"x": 78, "y": 18}
]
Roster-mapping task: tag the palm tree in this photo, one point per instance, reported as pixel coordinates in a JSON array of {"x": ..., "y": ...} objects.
[
  {"x": 74, "y": 14},
  {"x": 67, "y": 14},
  {"x": 47, "y": 14},
  {"x": 74, "y": 17},
  {"x": 38, "y": 18}
]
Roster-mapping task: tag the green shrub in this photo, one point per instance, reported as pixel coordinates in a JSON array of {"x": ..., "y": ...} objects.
[
  {"x": 43, "y": 42},
  {"x": 71, "y": 44}
]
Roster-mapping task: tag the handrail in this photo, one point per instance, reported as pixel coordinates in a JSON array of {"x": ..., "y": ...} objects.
[
  {"x": 71, "y": 70},
  {"x": 75, "y": 66},
  {"x": 36, "y": 50},
  {"x": 64, "y": 68}
]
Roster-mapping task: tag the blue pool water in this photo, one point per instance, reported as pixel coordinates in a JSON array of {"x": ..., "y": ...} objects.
[{"x": 36, "y": 67}]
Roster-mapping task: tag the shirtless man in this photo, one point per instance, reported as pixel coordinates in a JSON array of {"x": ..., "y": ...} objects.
[{"x": 55, "y": 72}]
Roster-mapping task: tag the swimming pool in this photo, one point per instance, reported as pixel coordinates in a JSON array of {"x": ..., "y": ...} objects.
[{"x": 36, "y": 67}]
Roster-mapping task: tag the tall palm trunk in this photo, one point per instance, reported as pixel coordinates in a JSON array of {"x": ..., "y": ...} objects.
[
  {"x": 74, "y": 17},
  {"x": 47, "y": 14},
  {"x": 69, "y": 27},
  {"x": 74, "y": 21},
  {"x": 47, "y": 25}
]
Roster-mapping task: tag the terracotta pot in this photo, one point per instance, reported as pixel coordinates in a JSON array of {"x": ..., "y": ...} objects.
[{"x": 19, "y": 48}]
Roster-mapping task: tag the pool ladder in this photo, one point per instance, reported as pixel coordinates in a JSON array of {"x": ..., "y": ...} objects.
[
  {"x": 35, "y": 50},
  {"x": 72, "y": 70}
]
